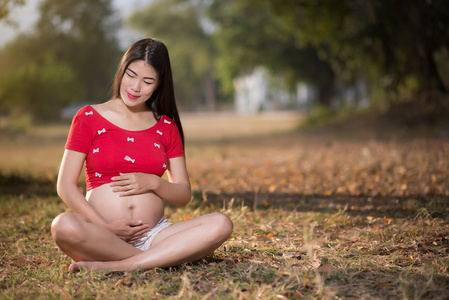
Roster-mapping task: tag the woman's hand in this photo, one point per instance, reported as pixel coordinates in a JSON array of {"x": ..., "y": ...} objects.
[
  {"x": 128, "y": 184},
  {"x": 128, "y": 230}
]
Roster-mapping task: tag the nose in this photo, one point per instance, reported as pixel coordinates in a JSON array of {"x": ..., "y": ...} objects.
[{"x": 135, "y": 86}]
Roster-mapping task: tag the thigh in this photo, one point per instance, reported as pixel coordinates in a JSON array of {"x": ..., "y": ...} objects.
[
  {"x": 205, "y": 223},
  {"x": 81, "y": 239}
]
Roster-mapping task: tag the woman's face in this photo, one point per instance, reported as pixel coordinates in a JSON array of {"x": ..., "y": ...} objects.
[{"x": 138, "y": 83}]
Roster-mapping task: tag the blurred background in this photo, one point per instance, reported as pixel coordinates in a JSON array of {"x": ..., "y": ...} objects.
[{"x": 321, "y": 58}]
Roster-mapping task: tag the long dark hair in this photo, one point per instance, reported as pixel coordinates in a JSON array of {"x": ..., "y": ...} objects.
[{"x": 154, "y": 53}]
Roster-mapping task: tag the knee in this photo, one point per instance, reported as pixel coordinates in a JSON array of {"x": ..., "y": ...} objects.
[
  {"x": 65, "y": 228},
  {"x": 221, "y": 226}
]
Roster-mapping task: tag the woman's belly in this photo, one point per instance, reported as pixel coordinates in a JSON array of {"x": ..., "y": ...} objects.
[{"x": 146, "y": 207}]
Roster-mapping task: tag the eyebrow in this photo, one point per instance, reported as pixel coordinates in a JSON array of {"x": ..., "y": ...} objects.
[{"x": 150, "y": 78}]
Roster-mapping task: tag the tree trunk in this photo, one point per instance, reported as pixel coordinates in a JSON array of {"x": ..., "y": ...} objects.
[
  {"x": 433, "y": 77},
  {"x": 209, "y": 92},
  {"x": 327, "y": 93}
]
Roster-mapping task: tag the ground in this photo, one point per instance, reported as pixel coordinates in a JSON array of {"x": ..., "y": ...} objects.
[{"x": 346, "y": 211}]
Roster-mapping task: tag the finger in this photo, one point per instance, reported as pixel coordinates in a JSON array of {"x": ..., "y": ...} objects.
[
  {"x": 141, "y": 227},
  {"x": 135, "y": 223},
  {"x": 120, "y": 188},
  {"x": 140, "y": 231},
  {"x": 133, "y": 240},
  {"x": 119, "y": 183},
  {"x": 128, "y": 192},
  {"x": 120, "y": 177}
]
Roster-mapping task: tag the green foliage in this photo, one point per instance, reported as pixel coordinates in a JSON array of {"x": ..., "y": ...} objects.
[
  {"x": 38, "y": 90},
  {"x": 70, "y": 57},
  {"x": 81, "y": 34},
  {"x": 250, "y": 34},
  {"x": 192, "y": 52},
  {"x": 394, "y": 45},
  {"x": 321, "y": 115}
]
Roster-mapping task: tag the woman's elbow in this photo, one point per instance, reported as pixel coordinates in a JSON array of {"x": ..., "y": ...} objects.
[
  {"x": 61, "y": 188},
  {"x": 186, "y": 198}
]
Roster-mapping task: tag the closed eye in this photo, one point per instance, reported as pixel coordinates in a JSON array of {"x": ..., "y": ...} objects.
[
  {"x": 128, "y": 72},
  {"x": 146, "y": 80}
]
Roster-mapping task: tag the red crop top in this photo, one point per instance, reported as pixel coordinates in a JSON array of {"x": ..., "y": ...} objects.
[{"x": 112, "y": 150}]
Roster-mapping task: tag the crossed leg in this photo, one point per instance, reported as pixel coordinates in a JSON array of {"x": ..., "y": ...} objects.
[
  {"x": 181, "y": 242},
  {"x": 83, "y": 240}
]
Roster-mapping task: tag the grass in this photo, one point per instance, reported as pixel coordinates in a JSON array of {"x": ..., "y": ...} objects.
[{"x": 314, "y": 217}]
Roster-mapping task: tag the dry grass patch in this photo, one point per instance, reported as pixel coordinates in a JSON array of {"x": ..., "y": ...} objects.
[
  {"x": 273, "y": 253},
  {"x": 315, "y": 216}
]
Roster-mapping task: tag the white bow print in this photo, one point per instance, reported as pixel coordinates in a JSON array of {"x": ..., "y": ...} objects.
[
  {"x": 96, "y": 150},
  {"x": 157, "y": 145},
  {"x": 130, "y": 139},
  {"x": 164, "y": 166},
  {"x": 89, "y": 113},
  {"x": 101, "y": 131},
  {"x": 98, "y": 175},
  {"x": 168, "y": 122},
  {"x": 159, "y": 132},
  {"x": 127, "y": 158}
]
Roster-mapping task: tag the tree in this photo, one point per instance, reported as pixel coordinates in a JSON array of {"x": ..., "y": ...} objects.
[
  {"x": 178, "y": 24},
  {"x": 39, "y": 91},
  {"x": 399, "y": 39},
  {"x": 6, "y": 5},
  {"x": 82, "y": 34},
  {"x": 73, "y": 50},
  {"x": 336, "y": 41},
  {"x": 249, "y": 34}
]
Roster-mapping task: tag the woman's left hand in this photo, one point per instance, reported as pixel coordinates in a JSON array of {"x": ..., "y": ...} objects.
[{"x": 128, "y": 184}]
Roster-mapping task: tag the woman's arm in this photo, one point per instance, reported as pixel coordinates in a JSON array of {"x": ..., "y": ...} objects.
[
  {"x": 176, "y": 191},
  {"x": 67, "y": 187}
]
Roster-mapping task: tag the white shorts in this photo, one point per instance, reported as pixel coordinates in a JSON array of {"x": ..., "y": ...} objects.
[{"x": 145, "y": 242}]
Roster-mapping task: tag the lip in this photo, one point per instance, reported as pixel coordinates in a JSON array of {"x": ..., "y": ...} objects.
[{"x": 130, "y": 96}]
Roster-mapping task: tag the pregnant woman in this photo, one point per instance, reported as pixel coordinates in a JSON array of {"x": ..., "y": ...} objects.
[{"x": 127, "y": 144}]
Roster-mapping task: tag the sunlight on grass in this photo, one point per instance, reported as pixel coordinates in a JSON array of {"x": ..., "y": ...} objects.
[
  {"x": 273, "y": 253},
  {"x": 314, "y": 217}
]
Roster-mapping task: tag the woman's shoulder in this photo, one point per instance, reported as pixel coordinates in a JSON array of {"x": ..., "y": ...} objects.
[
  {"x": 166, "y": 120},
  {"x": 89, "y": 114},
  {"x": 84, "y": 109},
  {"x": 102, "y": 108}
]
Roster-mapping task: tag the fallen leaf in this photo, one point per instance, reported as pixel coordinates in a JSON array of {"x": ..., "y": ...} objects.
[
  {"x": 128, "y": 281},
  {"x": 328, "y": 269},
  {"x": 20, "y": 261}
]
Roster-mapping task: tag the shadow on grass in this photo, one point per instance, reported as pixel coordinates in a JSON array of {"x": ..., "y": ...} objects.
[
  {"x": 364, "y": 205},
  {"x": 378, "y": 206},
  {"x": 26, "y": 185},
  {"x": 342, "y": 266}
]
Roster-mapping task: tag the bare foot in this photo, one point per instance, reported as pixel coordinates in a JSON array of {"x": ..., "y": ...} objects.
[
  {"x": 107, "y": 266},
  {"x": 81, "y": 265}
]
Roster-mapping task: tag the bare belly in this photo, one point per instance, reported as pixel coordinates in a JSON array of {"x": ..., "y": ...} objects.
[{"x": 146, "y": 207}]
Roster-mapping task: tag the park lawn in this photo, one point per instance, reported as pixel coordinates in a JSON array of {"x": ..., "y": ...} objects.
[{"x": 316, "y": 214}]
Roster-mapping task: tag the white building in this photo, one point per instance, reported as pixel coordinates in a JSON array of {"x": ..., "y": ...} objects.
[{"x": 260, "y": 91}]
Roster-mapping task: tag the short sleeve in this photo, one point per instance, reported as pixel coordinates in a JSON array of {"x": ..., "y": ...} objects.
[
  {"x": 175, "y": 147},
  {"x": 80, "y": 137}
]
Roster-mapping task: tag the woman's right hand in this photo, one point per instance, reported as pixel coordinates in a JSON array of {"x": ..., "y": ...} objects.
[{"x": 129, "y": 231}]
